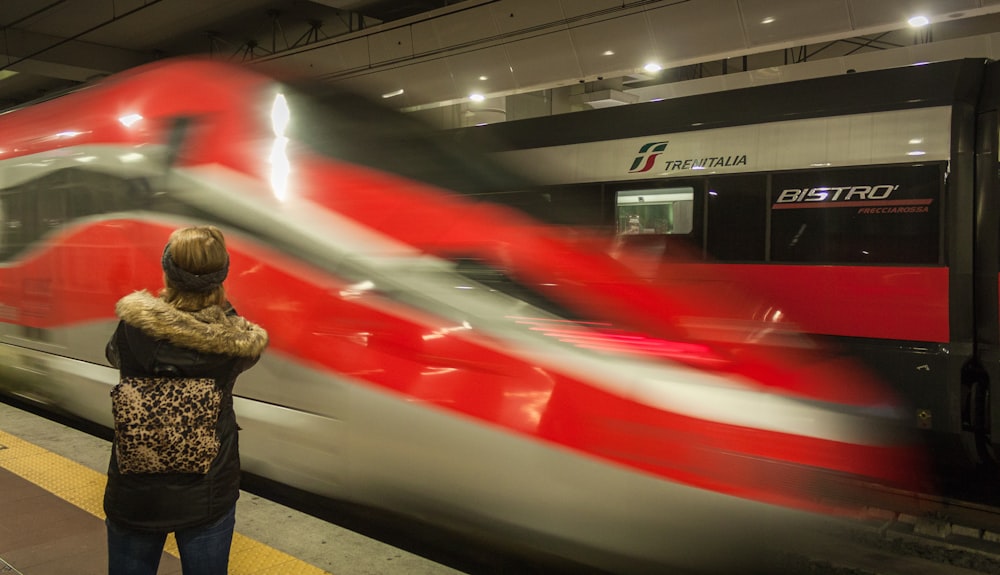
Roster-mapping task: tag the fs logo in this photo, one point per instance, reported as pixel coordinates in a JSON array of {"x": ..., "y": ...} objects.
[{"x": 647, "y": 157}]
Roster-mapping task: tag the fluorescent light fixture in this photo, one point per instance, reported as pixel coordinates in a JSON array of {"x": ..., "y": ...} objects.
[
  {"x": 477, "y": 97},
  {"x": 767, "y": 20},
  {"x": 484, "y": 78},
  {"x": 608, "y": 53},
  {"x": 652, "y": 67},
  {"x": 393, "y": 94},
  {"x": 918, "y": 21}
]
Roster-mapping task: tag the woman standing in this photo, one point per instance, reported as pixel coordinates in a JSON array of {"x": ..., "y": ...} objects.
[{"x": 175, "y": 463}]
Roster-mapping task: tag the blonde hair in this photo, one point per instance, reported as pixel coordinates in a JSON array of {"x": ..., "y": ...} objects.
[{"x": 198, "y": 250}]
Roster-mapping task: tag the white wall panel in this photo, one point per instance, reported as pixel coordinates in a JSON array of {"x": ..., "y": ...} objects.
[
  {"x": 868, "y": 14},
  {"x": 537, "y": 61},
  {"x": 793, "y": 19},
  {"x": 340, "y": 57},
  {"x": 517, "y": 15},
  {"x": 393, "y": 44},
  {"x": 427, "y": 79},
  {"x": 689, "y": 30},
  {"x": 463, "y": 27},
  {"x": 627, "y": 36},
  {"x": 467, "y": 69},
  {"x": 575, "y": 8}
]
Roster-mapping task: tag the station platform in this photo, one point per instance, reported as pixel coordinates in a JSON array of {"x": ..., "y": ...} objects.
[{"x": 52, "y": 480}]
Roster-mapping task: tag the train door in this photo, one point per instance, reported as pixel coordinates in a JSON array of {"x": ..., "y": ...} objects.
[
  {"x": 17, "y": 232},
  {"x": 42, "y": 268},
  {"x": 26, "y": 290},
  {"x": 93, "y": 255}
]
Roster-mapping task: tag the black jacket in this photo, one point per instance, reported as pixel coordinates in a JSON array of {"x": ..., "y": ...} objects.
[{"x": 154, "y": 339}]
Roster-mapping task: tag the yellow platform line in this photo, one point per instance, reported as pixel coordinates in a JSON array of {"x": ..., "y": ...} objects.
[{"x": 84, "y": 487}]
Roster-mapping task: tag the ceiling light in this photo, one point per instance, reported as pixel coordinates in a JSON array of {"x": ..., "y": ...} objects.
[
  {"x": 484, "y": 78},
  {"x": 652, "y": 67},
  {"x": 477, "y": 97},
  {"x": 608, "y": 53},
  {"x": 767, "y": 20},
  {"x": 918, "y": 21},
  {"x": 393, "y": 94}
]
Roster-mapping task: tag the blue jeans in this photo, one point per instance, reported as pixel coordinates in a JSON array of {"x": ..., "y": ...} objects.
[{"x": 204, "y": 549}]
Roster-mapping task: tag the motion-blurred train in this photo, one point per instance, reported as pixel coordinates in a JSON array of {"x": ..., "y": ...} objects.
[
  {"x": 867, "y": 204},
  {"x": 439, "y": 356}
]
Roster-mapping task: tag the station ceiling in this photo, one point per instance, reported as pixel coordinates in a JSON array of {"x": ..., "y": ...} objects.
[{"x": 426, "y": 53}]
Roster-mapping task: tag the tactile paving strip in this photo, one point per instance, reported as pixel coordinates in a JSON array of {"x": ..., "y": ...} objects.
[
  {"x": 7, "y": 567},
  {"x": 84, "y": 488}
]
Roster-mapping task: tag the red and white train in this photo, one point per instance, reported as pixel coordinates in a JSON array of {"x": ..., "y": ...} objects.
[
  {"x": 867, "y": 206},
  {"x": 441, "y": 357}
]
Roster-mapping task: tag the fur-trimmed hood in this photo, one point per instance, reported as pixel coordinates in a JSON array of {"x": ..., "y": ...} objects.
[{"x": 211, "y": 330}]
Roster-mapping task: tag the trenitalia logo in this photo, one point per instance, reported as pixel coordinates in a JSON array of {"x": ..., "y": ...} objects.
[{"x": 647, "y": 157}]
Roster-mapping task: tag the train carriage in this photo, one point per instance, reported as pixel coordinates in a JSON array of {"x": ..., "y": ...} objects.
[{"x": 865, "y": 203}]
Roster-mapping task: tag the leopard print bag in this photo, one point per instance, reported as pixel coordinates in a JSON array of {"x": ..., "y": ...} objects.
[{"x": 165, "y": 425}]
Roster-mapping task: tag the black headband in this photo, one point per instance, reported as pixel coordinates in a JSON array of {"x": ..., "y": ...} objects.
[{"x": 187, "y": 281}]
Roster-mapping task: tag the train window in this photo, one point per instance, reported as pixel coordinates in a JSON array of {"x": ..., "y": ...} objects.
[
  {"x": 73, "y": 193},
  {"x": 14, "y": 225},
  {"x": 737, "y": 218},
  {"x": 33, "y": 209},
  {"x": 658, "y": 211},
  {"x": 886, "y": 215},
  {"x": 51, "y": 207}
]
